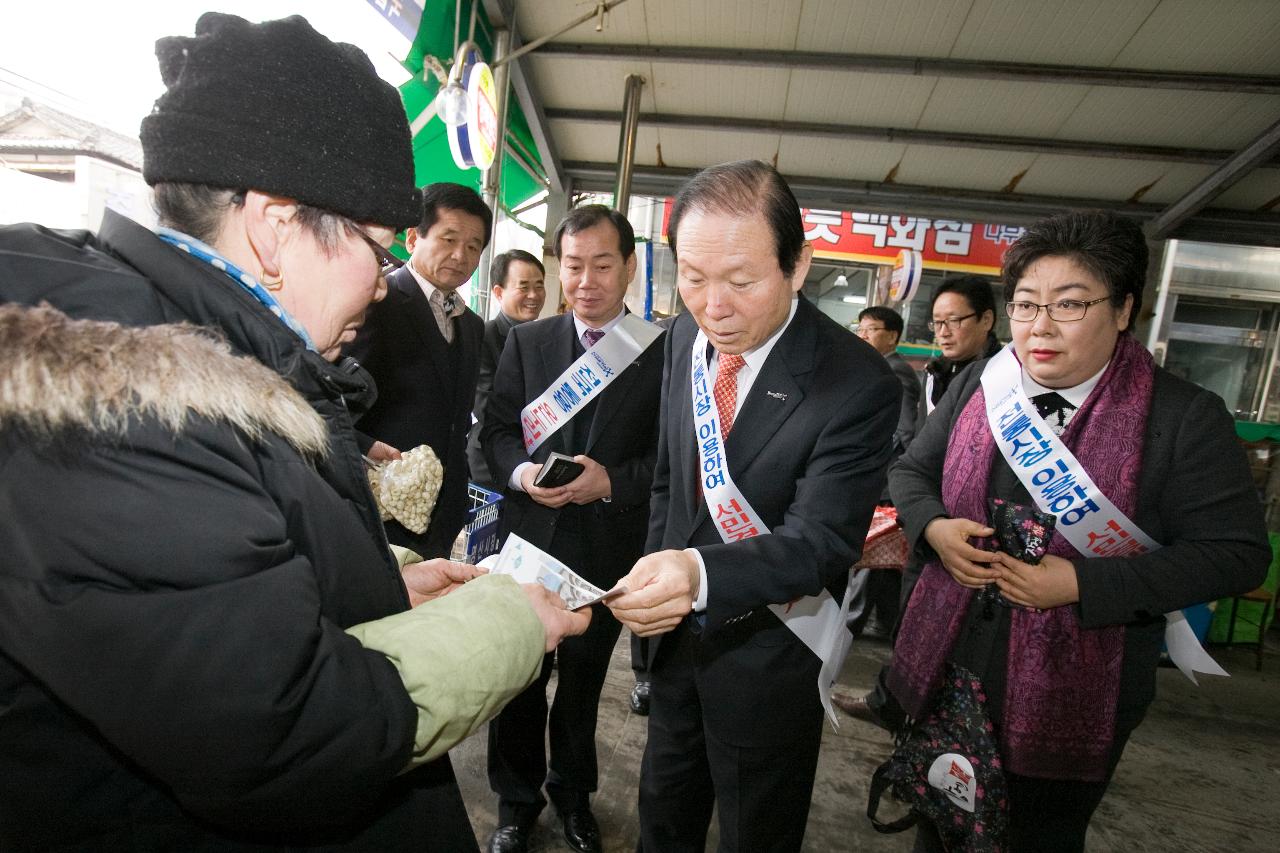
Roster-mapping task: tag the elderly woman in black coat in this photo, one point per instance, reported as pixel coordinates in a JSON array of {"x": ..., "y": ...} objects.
[
  {"x": 1154, "y": 507},
  {"x": 205, "y": 642}
]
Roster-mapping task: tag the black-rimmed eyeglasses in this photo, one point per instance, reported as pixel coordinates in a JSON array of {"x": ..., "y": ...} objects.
[
  {"x": 1063, "y": 311},
  {"x": 952, "y": 323}
]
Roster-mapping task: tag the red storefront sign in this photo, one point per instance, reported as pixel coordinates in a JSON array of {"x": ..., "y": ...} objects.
[{"x": 877, "y": 238}]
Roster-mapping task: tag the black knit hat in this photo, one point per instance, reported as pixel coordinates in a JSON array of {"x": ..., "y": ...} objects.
[{"x": 277, "y": 107}]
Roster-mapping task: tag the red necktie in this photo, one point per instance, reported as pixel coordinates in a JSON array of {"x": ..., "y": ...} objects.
[{"x": 726, "y": 389}]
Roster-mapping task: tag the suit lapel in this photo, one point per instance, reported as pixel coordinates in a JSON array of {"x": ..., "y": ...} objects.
[
  {"x": 423, "y": 320},
  {"x": 610, "y": 400},
  {"x": 681, "y": 357},
  {"x": 469, "y": 337}
]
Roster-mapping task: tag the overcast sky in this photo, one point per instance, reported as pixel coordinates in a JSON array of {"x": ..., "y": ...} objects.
[{"x": 101, "y": 54}]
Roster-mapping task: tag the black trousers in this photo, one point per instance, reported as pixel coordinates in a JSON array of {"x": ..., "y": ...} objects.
[
  {"x": 518, "y": 764},
  {"x": 640, "y": 657},
  {"x": 762, "y": 792}
]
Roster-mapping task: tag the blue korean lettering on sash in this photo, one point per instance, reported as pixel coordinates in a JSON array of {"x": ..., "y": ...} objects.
[
  {"x": 589, "y": 375},
  {"x": 1013, "y": 422},
  {"x": 566, "y": 398},
  {"x": 585, "y": 380},
  {"x": 1073, "y": 516}
]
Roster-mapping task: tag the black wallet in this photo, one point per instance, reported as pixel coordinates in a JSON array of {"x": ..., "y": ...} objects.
[{"x": 558, "y": 470}]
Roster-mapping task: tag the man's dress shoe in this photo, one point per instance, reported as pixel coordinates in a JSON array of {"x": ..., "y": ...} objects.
[
  {"x": 509, "y": 839},
  {"x": 856, "y": 707},
  {"x": 640, "y": 699},
  {"x": 581, "y": 830}
]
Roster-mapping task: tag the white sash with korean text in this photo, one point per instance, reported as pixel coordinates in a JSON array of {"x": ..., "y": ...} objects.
[
  {"x": 589, "y": 375},
  {"x": 818, "y": 620},
  {"x": 1058, "y": 483}
]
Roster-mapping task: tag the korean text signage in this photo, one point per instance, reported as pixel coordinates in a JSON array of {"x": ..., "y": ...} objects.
[{"x": 878, "y": 238}]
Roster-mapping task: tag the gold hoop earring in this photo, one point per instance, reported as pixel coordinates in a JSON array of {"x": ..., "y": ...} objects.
[{"x": 273, "y": 284}]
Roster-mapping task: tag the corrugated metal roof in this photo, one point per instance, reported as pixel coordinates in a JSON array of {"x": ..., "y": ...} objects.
[{"x": 990, "y": 127}]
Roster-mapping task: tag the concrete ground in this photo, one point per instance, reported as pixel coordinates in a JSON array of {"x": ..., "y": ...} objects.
[{"x": 1201, "y": 774}]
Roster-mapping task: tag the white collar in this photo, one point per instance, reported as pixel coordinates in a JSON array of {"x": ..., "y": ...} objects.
[
  {"x": 427, "y": 287},
  {"x": 1076, "y": 395},
  {"x": 582, "y": 327}
]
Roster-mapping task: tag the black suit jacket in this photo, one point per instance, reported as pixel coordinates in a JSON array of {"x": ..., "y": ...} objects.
[
  {"x": 1195, "y": 497},
  {"x": 425, "y": 392},
  {"x": 808, "y": 450},
  {"x": 907, "y": 413},
  {"x": 619, "y": 431},
  {"x": 495, "y": 338}
]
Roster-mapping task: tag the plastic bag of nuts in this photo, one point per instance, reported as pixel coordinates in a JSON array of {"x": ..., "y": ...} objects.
[{"x": 406, "y": 488}]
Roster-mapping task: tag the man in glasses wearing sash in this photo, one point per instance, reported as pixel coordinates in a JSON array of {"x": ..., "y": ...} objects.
[
  {"x": 776, "y": 431},
  {"x": 584, "y": 384}
]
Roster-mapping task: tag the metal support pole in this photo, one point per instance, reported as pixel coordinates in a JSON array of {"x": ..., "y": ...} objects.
[
  {"x": 493, "y": 177},
  {"x": 627, "y": 142},
  {"x": 1257, "y": 153},
  {"x": 557, "y": 208}
]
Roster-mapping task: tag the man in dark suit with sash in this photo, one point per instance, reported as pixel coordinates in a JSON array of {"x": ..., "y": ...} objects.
[
  {"x": 422, "y": 345},
  {"x": 596, "y": 524},
  {"x": 792, "y": 452}
]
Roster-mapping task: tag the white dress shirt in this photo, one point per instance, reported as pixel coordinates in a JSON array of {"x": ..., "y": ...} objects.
[{"x": 427, "y": 287}]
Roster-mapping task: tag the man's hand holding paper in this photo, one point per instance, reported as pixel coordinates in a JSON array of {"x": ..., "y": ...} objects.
[{"x": 665, "y": 585}]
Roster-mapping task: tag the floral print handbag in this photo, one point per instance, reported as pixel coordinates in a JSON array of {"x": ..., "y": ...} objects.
[{"x": 947, "y": 768}]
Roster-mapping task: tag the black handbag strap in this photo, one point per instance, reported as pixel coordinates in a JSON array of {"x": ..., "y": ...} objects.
[{"x": 879, "y": 784}]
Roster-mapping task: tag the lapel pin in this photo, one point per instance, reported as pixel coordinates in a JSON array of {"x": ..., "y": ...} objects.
[{"x": 777, "y": 395}]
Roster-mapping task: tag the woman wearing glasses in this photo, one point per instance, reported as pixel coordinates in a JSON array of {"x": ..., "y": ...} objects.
[
  {"x": 1067, "y": 649},
  {"x": 205, "y": 642},
  {"x": 963, "y": 316}
]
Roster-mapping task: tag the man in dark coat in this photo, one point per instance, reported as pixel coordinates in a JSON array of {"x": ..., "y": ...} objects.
[
  {"x": 807, "y": 411},
  {"x": 520, "y": 291},
  {"x": 422, "y": 346},
  {"x": 882, "y": 327},
  {"x": 595, "y": 525}
]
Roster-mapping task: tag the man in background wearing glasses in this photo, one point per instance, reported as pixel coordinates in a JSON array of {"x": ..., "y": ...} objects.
[{"x": 882, "y": 327}]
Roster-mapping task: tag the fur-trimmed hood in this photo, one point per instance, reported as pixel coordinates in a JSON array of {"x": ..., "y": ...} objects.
[{"x": 61, "y": 375}]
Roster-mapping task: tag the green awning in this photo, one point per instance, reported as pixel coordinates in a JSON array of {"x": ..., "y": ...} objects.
[{"x": 430, "y": 144}]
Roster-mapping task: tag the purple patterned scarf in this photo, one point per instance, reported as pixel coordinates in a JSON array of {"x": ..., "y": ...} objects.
[{"x": 1063, "y": 681}]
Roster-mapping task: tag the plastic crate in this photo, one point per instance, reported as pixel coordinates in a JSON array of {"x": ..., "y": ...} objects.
[{"x": 479, "y": 538}]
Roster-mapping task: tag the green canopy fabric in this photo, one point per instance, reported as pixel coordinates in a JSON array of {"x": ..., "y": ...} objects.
[
  {"x": 432, "y": 159},
  {"x": 1251, "y": 431}
]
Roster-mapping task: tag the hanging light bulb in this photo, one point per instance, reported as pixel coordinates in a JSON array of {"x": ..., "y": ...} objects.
[{"x": 451, "y": 104}]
